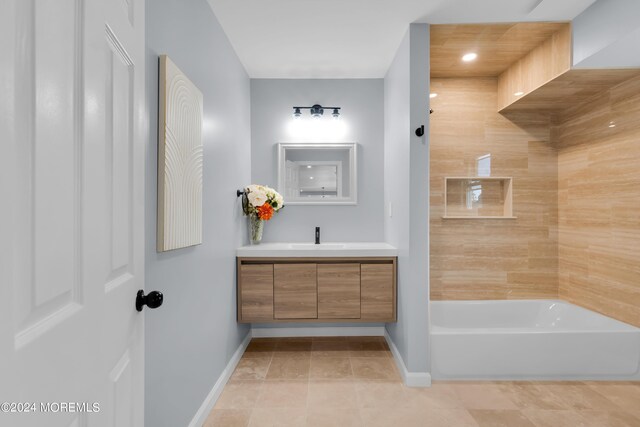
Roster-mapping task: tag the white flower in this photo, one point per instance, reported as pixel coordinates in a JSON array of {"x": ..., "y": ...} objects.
[
  {"x": 257, "y": 198},
  {"x": 278, "y": 198},
  {"x": 253, "y": 188}
]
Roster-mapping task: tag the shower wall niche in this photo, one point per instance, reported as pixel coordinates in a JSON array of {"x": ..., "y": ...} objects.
[{"x": 478, "y": 197}]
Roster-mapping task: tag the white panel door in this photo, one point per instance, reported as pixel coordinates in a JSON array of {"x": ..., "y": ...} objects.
[{"x": 72, "y": 120}]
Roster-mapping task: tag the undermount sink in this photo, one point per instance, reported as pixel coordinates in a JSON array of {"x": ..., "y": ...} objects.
[{"x": 318, "y": 246}]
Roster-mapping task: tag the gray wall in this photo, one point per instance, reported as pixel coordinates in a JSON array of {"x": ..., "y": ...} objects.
[
  {"x": 406, "y": 189},
  {"x": 362, "y": 119},
  {"x": 190, "y": 339},
  {"x": 607, "y": 35}
]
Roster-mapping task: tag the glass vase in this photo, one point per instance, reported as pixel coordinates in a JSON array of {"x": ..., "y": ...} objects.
[{"x": 256, "y": 225}]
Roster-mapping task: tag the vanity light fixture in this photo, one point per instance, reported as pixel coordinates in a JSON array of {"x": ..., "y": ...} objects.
[
  {"x": 316, "y": 111},
  {"x": 468, "y": 57}
]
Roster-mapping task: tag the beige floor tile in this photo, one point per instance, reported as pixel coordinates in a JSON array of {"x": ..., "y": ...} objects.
[
  {"x": 626, "y": 397},
  {"x": 330, "y": 348},
  {"x": 610, "y": 419},
  {"x": 330, "y": 368},
  {"x": 252, "y": 368},
  {"x": 416, "y": 417},
  {"x": 500, "y": 418},
  {"x": 580, "y": 397},
  {"x": 555, "y": 418},
  {"x": 483, "y": 396},
  {"x": 368, "y": 349},
  {"x": 441, "y": 396},
  {"x": 378, "y": 339},
  {"x": 292, "y": 354},
  {"x": 373, "y": 394},
  {"x": 290, "y": 345},
  {"x": 228, "y": 418},
  {"x": 531, "y": 395},
  {"x": 322, "y": 339},
  {"x": 449, "y": 418},
  {"x": 239, "y": 395},
  {"x": 260, "y": 347},
  {"x": 294, "y": 339},
  {"x": 333, "y": 417},
  {"x": 290, "y": 368},
  {"x": 283, "y": 394},
  {"x": 332, "y": 394},
  {"x": 374, "y": 368},
  {"x": 278, "y": 417},
  {"x": 260, "y": 354}
]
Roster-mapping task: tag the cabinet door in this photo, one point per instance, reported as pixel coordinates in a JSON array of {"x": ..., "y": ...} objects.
[
  {"x": 256, "y": 292},
  {"x": 378, "y": 292},
  {"x": 295, "y": 292},
  {"x": 339, "y": 291}
]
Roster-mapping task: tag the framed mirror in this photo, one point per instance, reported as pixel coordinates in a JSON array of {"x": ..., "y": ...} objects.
[{"x": 318, "y": 173}]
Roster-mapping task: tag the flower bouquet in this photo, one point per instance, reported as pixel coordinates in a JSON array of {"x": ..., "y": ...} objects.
[{"x": 259, "y": 202}]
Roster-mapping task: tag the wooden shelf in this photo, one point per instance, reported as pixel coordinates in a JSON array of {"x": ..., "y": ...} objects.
[{"x": 478, "y": 197}]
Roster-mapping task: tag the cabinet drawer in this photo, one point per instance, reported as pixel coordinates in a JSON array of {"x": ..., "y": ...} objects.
[
  {"x": 295, "y": 292},
  {"x": 339, "y": 291},
  {"x": 256, "y": 292}
]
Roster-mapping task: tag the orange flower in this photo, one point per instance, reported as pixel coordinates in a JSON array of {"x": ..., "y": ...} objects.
[{"x": 265, "y": 211}]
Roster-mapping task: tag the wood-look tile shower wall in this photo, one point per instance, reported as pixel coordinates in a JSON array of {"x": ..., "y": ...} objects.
[
  {"x": 492, "y": 258},
  {"x": 599, "y": 203}
]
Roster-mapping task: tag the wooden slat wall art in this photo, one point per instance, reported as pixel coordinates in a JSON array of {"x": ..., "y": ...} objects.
[
  {"x": 180, "y": 156},
  {"x": 599, "y": 203},
  {"x": 492, "y": 258}
]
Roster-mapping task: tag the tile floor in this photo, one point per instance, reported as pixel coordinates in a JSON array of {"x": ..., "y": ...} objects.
[{"x": 353, "y": 381}]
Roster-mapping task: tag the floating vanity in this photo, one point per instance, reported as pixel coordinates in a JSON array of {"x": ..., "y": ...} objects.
[{"x": 329, "y": 282}]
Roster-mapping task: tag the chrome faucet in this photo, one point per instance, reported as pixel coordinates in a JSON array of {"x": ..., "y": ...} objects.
[{"x": 317, "y": 235}]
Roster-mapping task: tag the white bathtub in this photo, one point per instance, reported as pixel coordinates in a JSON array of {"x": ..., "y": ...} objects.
[{"x": 543, "y": 339}]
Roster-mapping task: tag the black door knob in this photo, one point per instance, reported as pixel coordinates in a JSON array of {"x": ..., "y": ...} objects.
[{"x": 152, "y": 300}]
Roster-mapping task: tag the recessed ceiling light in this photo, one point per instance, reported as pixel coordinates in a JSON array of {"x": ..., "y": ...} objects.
[
  {"x": 468, "y": 57},
  {"x": 519, "y": 93},
  {"x": 433, "y": 95}
]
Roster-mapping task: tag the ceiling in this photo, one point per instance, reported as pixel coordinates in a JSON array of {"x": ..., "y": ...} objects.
[
  {"x": 497, "y": 46},
  {"x": 354, "y": 38}
]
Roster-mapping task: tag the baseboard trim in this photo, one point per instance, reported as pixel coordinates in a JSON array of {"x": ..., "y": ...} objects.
[
  {"x": 410, "y": 379},
  {"x": 211, "y": 399},
  {"x": 326, "y": 331}
]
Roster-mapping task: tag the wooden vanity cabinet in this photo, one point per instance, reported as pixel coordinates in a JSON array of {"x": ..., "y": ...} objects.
[{"x": 316, "y": 289}]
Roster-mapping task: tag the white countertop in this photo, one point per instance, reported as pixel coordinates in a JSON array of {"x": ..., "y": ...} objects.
[{"x": 310, "y": 250}]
